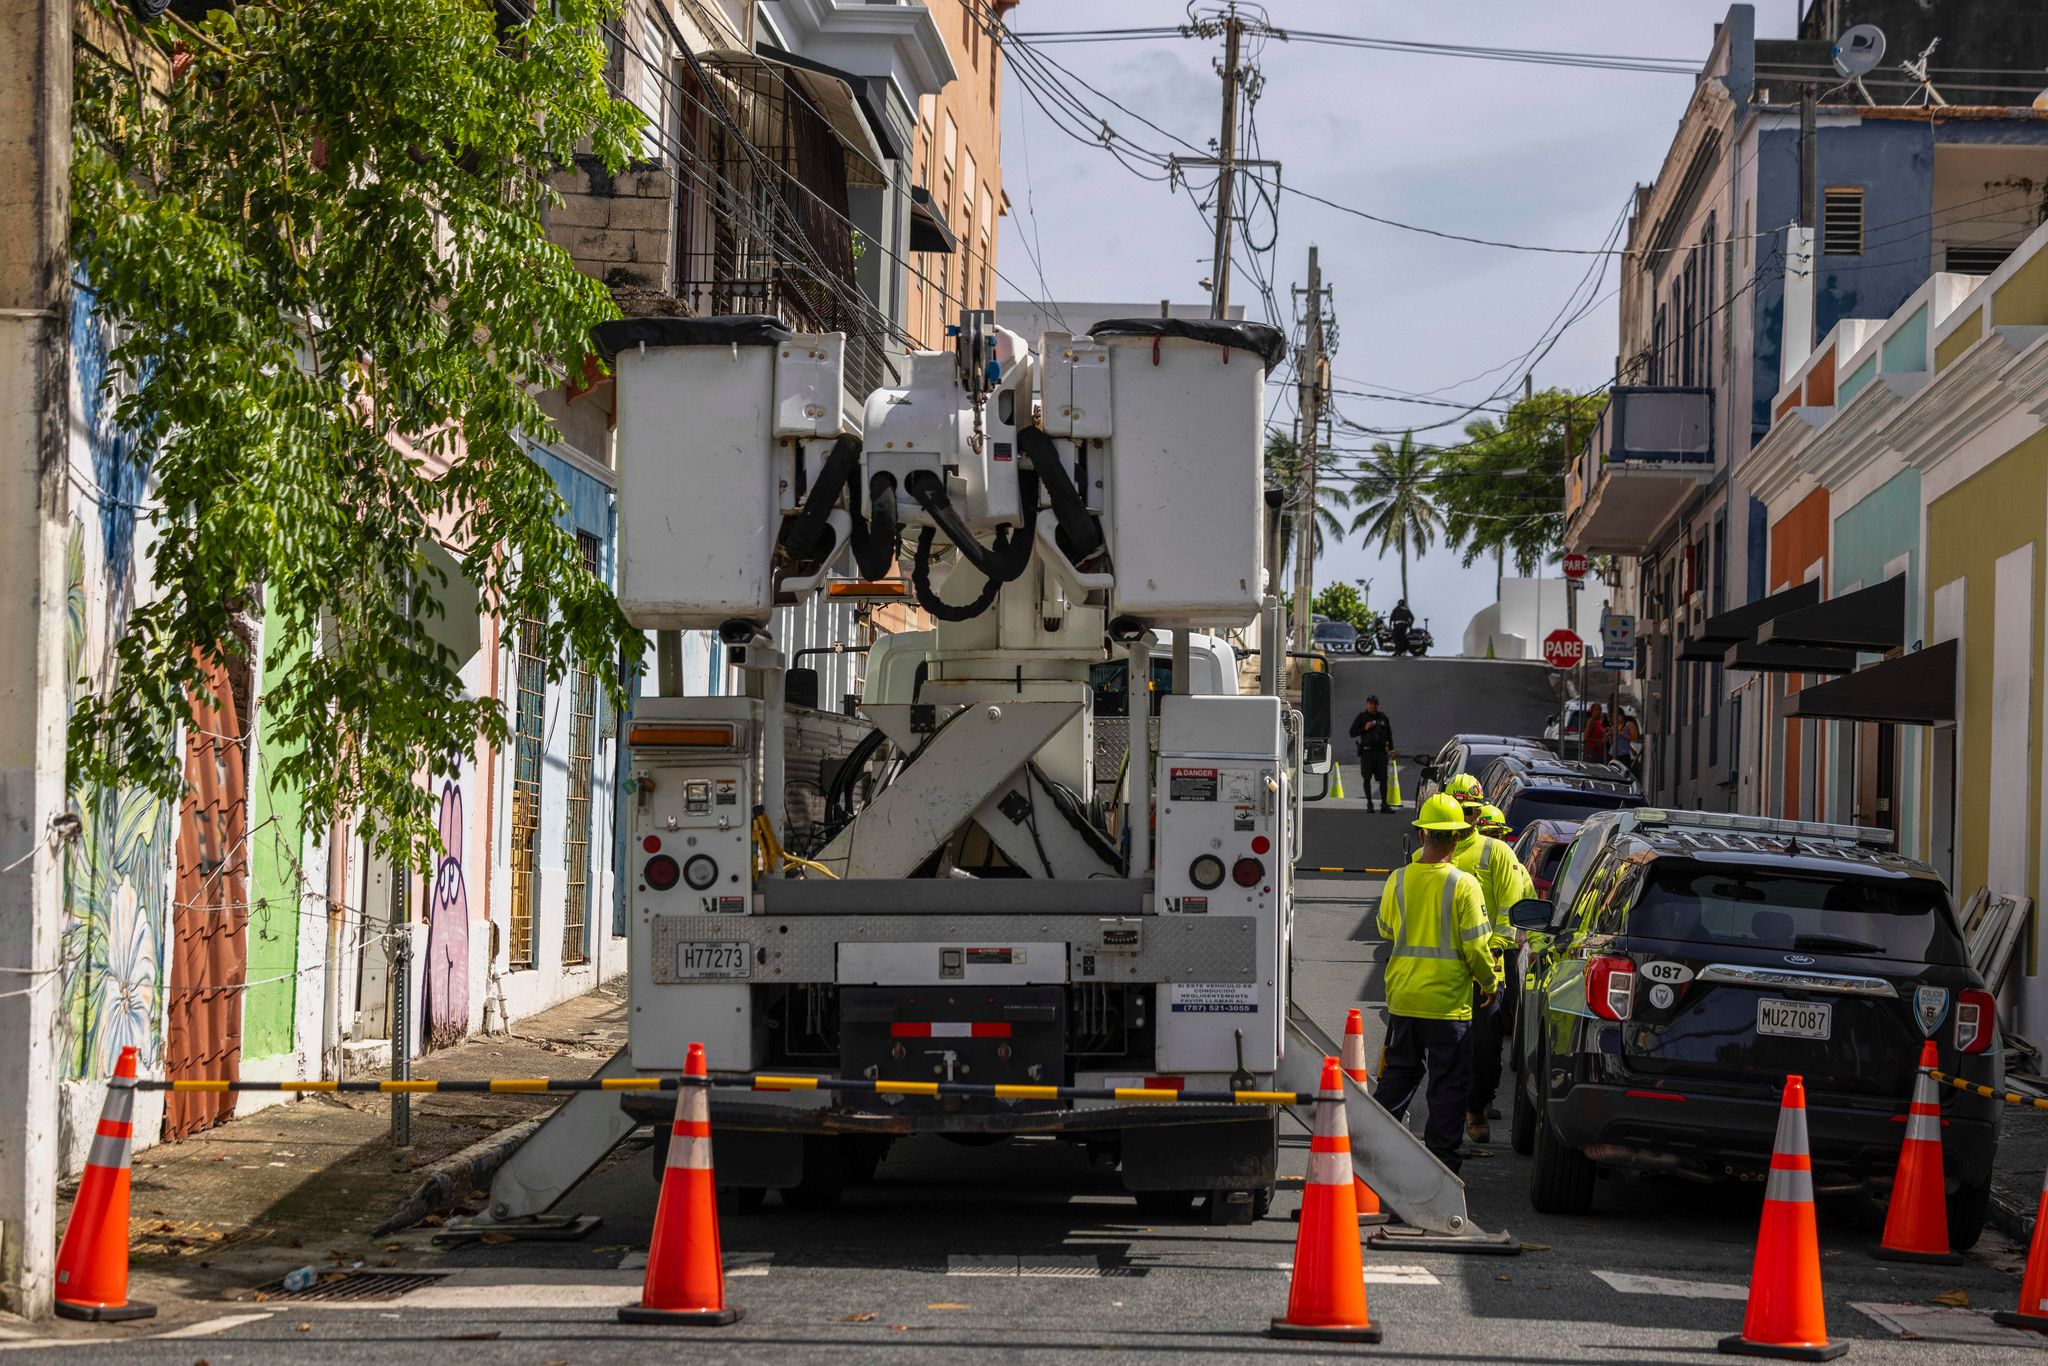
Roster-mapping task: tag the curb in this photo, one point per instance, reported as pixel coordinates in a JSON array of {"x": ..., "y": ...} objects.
[
  {"x": 2012, "y": 1217},
  {"x": 457, "y": 1174}
]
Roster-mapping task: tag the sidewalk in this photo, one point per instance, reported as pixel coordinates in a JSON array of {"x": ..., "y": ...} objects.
[
  {"x": 292, "y": 1185},
  {"x": 2016, "y": 1179}
]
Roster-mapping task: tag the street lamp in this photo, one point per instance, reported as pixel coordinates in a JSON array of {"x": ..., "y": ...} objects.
[{"x": 1364, "y": 592}]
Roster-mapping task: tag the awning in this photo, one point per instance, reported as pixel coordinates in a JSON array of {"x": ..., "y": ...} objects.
[
  {"x": 1918, "y": 689},
  {"x": 1787, "y": 659},
  {"x": 1872, "y": 618},
  {"x": 1740, "y": 623},
  {"x": 840, "y": 97},
  {"x": 928, "y": 230}
]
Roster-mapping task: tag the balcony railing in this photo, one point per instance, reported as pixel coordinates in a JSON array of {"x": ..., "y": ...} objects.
[{"x": 1652, "y": 448}]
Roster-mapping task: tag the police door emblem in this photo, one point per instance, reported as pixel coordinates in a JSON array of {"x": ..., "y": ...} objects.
[{"x": 1930, "y": 1004}]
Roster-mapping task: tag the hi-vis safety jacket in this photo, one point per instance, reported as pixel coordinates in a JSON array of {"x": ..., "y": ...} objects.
[
  {"x": 1435, "y": 921},
  {"x": 1502, "y": 879}
]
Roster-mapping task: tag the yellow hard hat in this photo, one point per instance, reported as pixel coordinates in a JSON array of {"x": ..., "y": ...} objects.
[
  {"x": 1492, "y": 820},
  {"x": 1465, "y": 788},
  {"x": 1441, "y": 812}
]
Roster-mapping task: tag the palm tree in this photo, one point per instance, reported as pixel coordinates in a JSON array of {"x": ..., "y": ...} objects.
[
  {"x": 1395, "y": 509},
  {"x": 1283, "y": 471}
]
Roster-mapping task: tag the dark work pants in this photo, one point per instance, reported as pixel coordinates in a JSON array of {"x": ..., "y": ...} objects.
[
  {"x": 1490, "y": 1026},
  {"x": 1372, "y": 768},
  {"x": 1439, "y": 1049}
]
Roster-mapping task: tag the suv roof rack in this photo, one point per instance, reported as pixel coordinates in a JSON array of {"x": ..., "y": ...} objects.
[{"x": 1868, "y": 836}]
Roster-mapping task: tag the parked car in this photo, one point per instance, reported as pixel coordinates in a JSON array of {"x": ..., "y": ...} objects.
[
  {"x": 1689, "y": 961},
  {"x": 1541, "y": 849},
  {"x": 1564, "y": 730},
  {"x": 1531, "y": 786},
  {"x": 1336, "y": 637},
  {"x": 1466, "y": 754}
]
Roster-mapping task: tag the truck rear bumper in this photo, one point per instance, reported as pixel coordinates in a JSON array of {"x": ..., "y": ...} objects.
[{"x": 753, "y": 1116}]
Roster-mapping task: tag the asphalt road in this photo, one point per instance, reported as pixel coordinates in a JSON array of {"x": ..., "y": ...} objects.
[
  {"x": 1028, "y": 1253},
  {"x": 1431, "y": 699}
]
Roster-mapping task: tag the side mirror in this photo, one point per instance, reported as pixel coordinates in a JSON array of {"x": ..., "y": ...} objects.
[
  {"x": 1531, "y": 913},
  {"x": 1315, "y": 706},
  {"x": 1427, "y": 763},
  {"x": 1317, "y": 757}
]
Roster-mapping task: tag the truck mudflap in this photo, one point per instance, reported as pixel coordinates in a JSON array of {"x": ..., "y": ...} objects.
[{"x": 1384, "y": 1153}]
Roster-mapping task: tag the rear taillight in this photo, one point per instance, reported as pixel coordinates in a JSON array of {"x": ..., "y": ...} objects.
[
  {"x": 1611, "y": 986},
  {"x": 1976, "y": 1021}
]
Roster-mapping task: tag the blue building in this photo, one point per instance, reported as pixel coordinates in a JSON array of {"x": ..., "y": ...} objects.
[{"x": 1724, "y": 295}]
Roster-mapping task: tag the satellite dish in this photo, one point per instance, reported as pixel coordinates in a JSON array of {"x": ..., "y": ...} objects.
[{"x": 1858, "y": 51}]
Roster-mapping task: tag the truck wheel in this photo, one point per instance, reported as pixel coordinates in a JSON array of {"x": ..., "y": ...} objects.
[
  {"x": 1522, "y": 1130},
  {"x": 1164, "y": 1204},
  {"x": 1968, "y": 1208},
  {"x": 1262, "y": 1202},
  {"x": 1561, "y": 1177}
]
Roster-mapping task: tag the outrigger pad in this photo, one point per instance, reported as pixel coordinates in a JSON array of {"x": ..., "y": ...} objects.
[
  {"x": 540, "y": 1228},
  {"x": 1403, "y": 1238}
]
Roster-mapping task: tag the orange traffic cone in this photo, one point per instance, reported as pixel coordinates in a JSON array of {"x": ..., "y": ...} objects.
[
  {"x": 92, "y": 1262},
  {"x": 1369, "y": 1210},
  {"x": 2033, "y": 1310},
  {"x": 1916, "y": 1219},
  {"x": 1786, "y": 1317},
  {"x": 1326, "y": 1295},
  {"x": 685, "y": 1269}
]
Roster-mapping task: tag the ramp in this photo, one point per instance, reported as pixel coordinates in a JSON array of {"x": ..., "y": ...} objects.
[
  {"x": 1385, "y": 1154},
  {"x": 1429, "y": 699}
]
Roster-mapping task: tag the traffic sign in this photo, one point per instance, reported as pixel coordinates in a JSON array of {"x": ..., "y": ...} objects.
[
  {"x": 1563, "y": 649},
  {"x": 1618, "y": 642},
  {"x": 1575, "y": 566}
]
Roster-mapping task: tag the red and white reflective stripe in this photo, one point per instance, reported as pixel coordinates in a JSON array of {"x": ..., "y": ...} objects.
[
  {"x": 689, "y": 1144},
  {"x": 950, "y": 1029},
  {"x": 1791, "y": 1178},
  {"x": 1923, "y": 1123},
  {"x": 110, "y": 1142},
  {"x": 1354, "y": 1059},
  {"x": 1329, "y": 1150}
]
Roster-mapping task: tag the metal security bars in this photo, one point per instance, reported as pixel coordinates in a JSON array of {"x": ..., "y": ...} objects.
[
  {"x": 530, "y": 675},
  {"x": 582, "y": 752}
]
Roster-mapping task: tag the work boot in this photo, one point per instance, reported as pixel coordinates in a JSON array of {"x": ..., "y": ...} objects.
[{"x": 1477, "y": 1129}]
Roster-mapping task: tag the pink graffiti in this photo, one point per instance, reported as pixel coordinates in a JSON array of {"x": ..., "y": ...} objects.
[{"x": 448, "y": 929}]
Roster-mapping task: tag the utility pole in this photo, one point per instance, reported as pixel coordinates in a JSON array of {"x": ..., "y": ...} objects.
[
  {"x": 1310, "y": 376},
  {"x": 1226, "y": 158},
  {"x": 35, "y": 515}
]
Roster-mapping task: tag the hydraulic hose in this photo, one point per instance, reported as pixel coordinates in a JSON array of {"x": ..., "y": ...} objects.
[
  {"x": 800, "y": 536},
  {"x": 874, "y": 537},
  {"x": 1077, "y": 524}
]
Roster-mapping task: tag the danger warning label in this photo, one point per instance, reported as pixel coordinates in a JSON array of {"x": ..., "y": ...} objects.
[{"x": 1191, "y": 785}]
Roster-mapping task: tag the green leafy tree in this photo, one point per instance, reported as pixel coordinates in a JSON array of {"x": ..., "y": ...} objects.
[
  {"x": 1396, "y": 505},
  {"x": 1503, "y": 490},
  {"x": 1341, "y": 602},
  {"x": 1283, "y": 471},
  {"x": 316, "y": 227}
]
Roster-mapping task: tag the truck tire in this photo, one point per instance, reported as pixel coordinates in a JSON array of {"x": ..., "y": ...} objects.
[
  {"x": 1560, "y": 1177},
  {"x": 1522, "y": 1128},
  {"x": 1968, "y": 1209}
]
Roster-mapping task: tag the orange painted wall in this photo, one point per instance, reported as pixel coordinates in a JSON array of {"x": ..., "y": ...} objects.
[{"x": 1798, "y": 539}]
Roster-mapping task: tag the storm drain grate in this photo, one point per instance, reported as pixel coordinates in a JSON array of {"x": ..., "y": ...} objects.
[
  {"x": 1085, "y": 1268},
  {"x": 356, "y": 1285}
]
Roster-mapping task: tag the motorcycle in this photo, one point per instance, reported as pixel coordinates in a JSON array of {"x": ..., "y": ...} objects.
[{"x": 1418, "y": 643}]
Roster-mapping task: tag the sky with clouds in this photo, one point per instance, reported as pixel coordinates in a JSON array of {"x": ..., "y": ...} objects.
[{"x": 1536, "y": 154}]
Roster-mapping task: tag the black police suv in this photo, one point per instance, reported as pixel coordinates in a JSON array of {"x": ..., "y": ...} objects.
[
  {"x": 1532, "y": 786},
  {"x": 1689, "y": 961}
]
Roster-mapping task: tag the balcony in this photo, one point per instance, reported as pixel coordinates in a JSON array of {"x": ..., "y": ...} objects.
[{"x": 1653, "y": 448}]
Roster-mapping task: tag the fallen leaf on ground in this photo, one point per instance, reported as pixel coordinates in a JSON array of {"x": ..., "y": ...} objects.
[
  {"x": 1954, "y": 1299},
  {"x": 948, "y": 1306},
  {"x": 899, "y": 1327},
  {"x": 305, "y": 1328},
  {"x": 864, "y": 1317},
  {"x": 1535, "y": 1247},
  {"x": 1909, "y": 1335},
  {"x": 1500, "y": 1278},
  {"x": 493, "y": 1239}
]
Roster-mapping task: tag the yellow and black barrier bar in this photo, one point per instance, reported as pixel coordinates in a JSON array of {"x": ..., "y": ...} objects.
[
  {"x": 1299, "y": 868},
  {"x": 1988, "y": 1092},
  {"x": 751, "y": 1082}
]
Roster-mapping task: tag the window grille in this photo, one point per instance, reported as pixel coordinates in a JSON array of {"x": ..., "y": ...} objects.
[
  {"x": 582, "y": 752},
  {"x": 530, "y": 710},
  {"x": 1841, "y": 232}
]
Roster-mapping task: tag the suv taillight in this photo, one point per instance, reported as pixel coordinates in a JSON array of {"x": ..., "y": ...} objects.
[
  {"x": 1611, "y": 986},
  {"x": 1976, "y": 1020}
]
